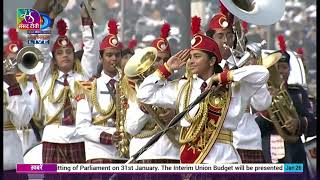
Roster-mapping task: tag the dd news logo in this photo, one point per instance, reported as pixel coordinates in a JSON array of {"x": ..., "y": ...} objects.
[{"x": 35, "y": 24}]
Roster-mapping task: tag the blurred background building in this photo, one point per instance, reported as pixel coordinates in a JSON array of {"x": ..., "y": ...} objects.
[{"x": 142, "y": 20}]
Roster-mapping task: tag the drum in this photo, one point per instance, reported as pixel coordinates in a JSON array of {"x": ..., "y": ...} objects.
[{"x": 33, "y": 155}]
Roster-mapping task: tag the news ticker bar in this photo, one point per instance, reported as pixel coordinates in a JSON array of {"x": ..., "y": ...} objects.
[{"x": 158, "y": 168}]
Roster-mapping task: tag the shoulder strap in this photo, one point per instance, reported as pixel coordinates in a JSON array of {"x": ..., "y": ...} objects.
[{"x": 83, "y": 87}]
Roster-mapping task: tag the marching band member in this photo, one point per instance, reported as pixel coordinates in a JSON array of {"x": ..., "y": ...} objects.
[
  {"x": 96, "y": 113},
  {"x": 206, "y": 134},
  {"x": 30, "y": 134},
  {"x": 100, "y": 106},
  {"x": 16, "y": 114},
  {"x": 162, "y": 45},
  {"x": 141, "y": 124},
  {"x": 247, "y": 144},
  {"x": 163, "y": 49},
  {"x": 57, "y": 87},
  {"x": 275, "y": 148},
  {"x": 220, "y": 29}
]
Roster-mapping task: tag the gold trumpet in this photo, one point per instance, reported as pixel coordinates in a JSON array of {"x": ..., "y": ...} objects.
[{"x": 282, "y": 108}]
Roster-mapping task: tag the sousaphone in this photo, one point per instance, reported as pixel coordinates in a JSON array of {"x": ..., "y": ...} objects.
[{"x": 258, "y": 12}]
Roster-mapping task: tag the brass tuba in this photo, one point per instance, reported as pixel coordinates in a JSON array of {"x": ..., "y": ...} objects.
[
  {"x": 138, "y": 67},
  {"x": 282, "y": 107},
  {"x": 29, "y": 60},
  {"x": 258, "y": 12},
  {"x": 141, "y": 64}
]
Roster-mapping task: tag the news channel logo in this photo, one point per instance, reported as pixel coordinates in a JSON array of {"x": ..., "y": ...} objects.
[{"x": 34, "y": 23}]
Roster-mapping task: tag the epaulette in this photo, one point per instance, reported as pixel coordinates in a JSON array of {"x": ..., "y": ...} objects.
[
  {"x": 22, "y": 79},
  {"x": 83, "y": 87}
]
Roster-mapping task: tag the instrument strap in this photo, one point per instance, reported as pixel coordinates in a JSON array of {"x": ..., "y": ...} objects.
[{"x": 35, "y": 130}]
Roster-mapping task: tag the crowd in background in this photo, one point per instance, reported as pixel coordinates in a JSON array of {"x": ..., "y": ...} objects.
[{"x": 144, "y": 18}]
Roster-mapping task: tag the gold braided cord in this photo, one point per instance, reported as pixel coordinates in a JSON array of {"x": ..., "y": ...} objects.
[
  {"x": 180, "y": 95},
  {"x": 77, "y": 66},
  {"x": 37, "y": 116},
  {"x": 64, "y": 93},
  {"x": 106, "y": 112},
  {"x": 195, "y": 128},
  {"x": 64, "y": 96},
  {"x": 187, "y": 101},
  {"x": 54, "y": 72},
  {"x": 147, "y": 134},
  {"x": 23, "y": 79},
  {"x": 198, "y": 121},
  {"x": 51, "y": 90},
  {"x": 99, "y": 120}
]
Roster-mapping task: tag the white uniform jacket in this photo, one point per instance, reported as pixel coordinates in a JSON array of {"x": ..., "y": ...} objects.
[
  {"x": 57, "y": 133},
  {"x": 247, "y": 81},
  {"x": 162, "y": 149},
  {"x": 16, "y": 111},
  {"x": 90, "y": 132},
  {"x": 248, "y": 135},
  {"x": 27, "y": 135}
]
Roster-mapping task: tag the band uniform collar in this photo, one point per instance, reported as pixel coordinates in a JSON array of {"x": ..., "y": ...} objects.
[
  {"x": 198, "y": 82},
  {"x": 60, "y": 74},
  {"x": 106, "y": 78}
]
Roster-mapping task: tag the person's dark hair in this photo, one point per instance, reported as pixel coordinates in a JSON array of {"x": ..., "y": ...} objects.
[
  {"x": 79, "y": 54},
  {"x": 101, "y": 53},
  {"x": 217, "y": 68},
  {"x": 99, "y": 69},
  {"x": 127, "y": 51},
  {"x": 285, "y": 57},
  {"x": 210, "y": 32}
]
